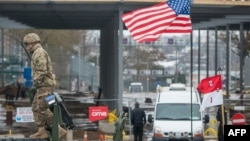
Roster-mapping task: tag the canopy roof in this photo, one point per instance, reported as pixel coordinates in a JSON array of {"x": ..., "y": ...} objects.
[{"x": 48, "y": 14}]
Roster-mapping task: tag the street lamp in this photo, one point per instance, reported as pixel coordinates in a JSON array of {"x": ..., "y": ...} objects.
[
  {"x": 219, "y": 70},
  {"x": 79, "y": 69},
  {"x": 98, "y": 68},
  {"x": 72, "y": 73},
  {"x": 176, "y": 65},
  {"x": 147, "y": 76}
]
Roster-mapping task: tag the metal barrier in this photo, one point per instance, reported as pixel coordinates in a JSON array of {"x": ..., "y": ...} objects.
[
  {"x": 9, "y": 121},
  {"x": 77, "y": 105}
]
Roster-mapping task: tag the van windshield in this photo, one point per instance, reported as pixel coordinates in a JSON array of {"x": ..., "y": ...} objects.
[
  {"x": 177, "y": 111},
  {"x": 135, "y": 88}
]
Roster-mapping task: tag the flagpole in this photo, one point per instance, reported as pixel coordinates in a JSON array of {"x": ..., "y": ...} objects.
[
  {"x": 222, "y": 117},
  {"x": 222, "y": 106},
  {"x": 191, "y": 81}
]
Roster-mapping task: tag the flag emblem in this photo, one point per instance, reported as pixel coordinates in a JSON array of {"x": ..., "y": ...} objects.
[
  {"x": 211, "y": 88},
  {"x": 148, "y": 24}
]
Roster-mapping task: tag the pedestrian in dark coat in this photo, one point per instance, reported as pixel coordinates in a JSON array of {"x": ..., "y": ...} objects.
[{"x": 138, "y": 120}]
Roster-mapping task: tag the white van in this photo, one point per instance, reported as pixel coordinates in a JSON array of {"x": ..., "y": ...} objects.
[
  {"x": 135, "y": 87},
  {"x": 172, "y": 118}
]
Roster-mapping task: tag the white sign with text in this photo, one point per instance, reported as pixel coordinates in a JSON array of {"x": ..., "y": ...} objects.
[{"x": 24, "y": 114}]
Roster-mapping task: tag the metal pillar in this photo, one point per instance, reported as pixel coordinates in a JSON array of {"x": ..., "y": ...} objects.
[
  {"x": 199, "y": 55},
  {"x": 207, "y": 52},
  {"x": 120, "y": 58},
  {"x": 191, "y": 74},
  {"x": 2, "y": 57},
  {"x": 56, "y": 112},
  {"x": 79, "y": 70},
  {"x": 228, "y": 62},
  {"x": 216, "y": 51},
  {"x": 241, "y": 61}
]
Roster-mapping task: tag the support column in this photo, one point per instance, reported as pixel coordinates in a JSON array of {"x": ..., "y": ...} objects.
[
  {"x": 119, "y": 56},
  {"x": 111, "y": 61},
  {"x": 107, "y": 68}
]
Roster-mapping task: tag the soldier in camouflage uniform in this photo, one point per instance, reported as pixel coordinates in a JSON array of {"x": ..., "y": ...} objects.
[{"x": 44, "y": 82}]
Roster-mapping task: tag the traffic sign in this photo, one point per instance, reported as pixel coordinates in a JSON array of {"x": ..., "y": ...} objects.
[{"x": 238, "y": 119}]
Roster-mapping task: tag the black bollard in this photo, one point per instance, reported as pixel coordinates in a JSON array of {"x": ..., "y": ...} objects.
[{"x": 9, "y": 115}]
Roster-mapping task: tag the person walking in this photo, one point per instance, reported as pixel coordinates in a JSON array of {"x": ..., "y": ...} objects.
[
  {"x": 44, "y": 82},
  {"x": 138, "y": 120}
]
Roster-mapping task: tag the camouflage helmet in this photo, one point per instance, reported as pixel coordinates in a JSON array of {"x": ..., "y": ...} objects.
[{"x": 31, "y": 38}]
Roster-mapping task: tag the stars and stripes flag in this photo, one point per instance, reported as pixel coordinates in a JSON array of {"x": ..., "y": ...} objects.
[
  {"x": 148, "y": 24},
  {"x": 211, "y": 88}
]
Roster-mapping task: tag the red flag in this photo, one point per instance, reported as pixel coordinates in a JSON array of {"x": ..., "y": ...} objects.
[
  {"x": 98, "y": 113},
  {"x": 211, "y": 87},
  {"x": 147, "y": 24}
]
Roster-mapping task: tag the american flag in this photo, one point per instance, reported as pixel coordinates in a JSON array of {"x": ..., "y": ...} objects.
[{"x": 148, "y": 24}]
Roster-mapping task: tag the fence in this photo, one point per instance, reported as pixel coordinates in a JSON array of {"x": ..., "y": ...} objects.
[
  {"x": 66, "y": 71},
  {"x": 77, "y": 105}
]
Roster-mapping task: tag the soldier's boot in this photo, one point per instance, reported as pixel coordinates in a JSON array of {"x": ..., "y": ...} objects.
[
  {"x": 61, "y": 131},
  {"x": 40, "y": 134}
]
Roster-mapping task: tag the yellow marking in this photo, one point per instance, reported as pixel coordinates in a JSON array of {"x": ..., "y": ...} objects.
[{"x": 210, "y": 130}]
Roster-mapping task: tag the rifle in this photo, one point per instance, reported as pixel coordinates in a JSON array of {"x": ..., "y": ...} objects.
[
  {"x": 23, "y": 46},
  {"x": 32, "y": 91}
]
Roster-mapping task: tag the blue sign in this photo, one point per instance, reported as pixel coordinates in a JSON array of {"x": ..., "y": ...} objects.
[
  {"x": 28, "y": 83},
  {"x": 27, "y": 76},
  {"x": 27, "y": 73}
]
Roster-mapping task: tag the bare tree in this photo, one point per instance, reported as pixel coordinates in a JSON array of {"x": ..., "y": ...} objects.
[
  {"x": 142, "y": 58},
  {"x": 58, "y": 43},
  {"x": 235, "y": 43}
]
